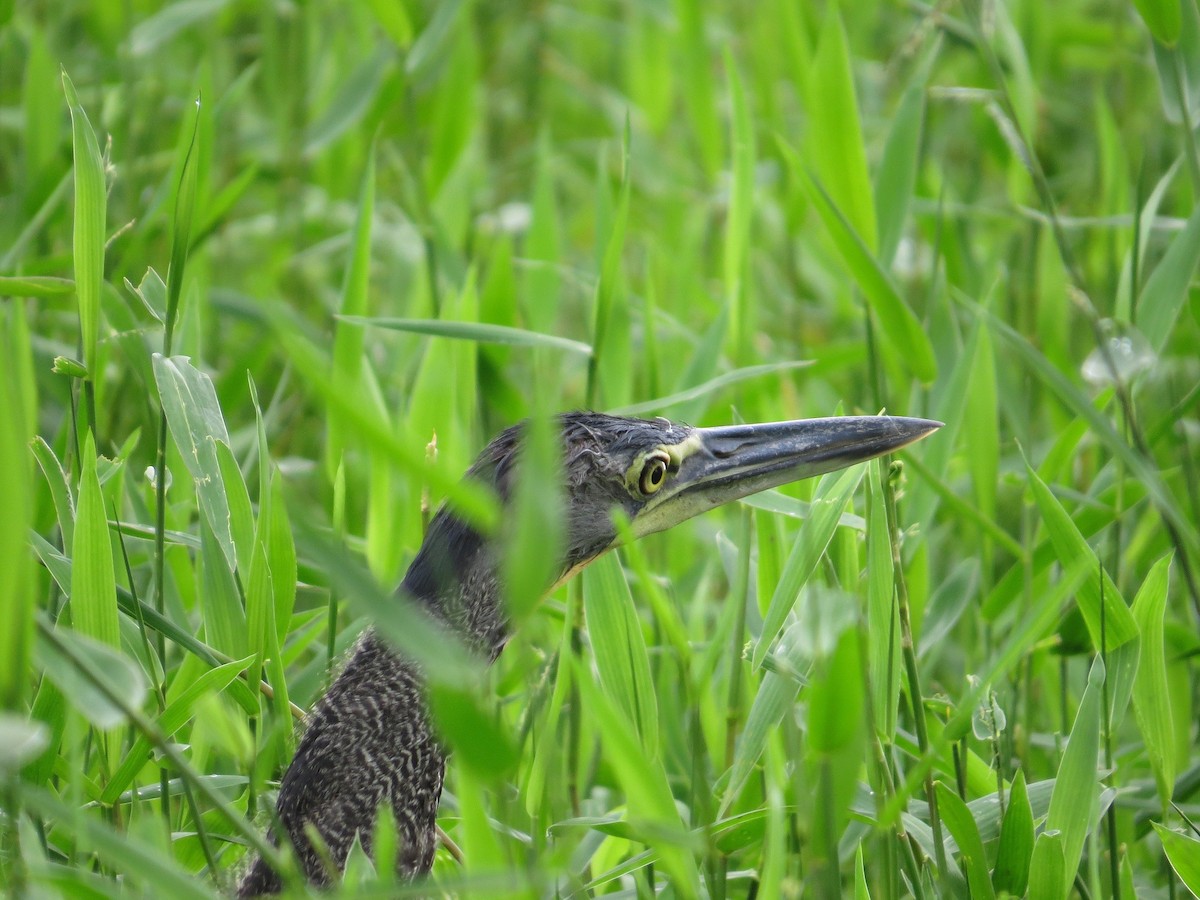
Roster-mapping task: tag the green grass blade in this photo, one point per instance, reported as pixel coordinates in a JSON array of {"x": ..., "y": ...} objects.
[
  {"x": 1151, "y": 693},
  {"x": 1183, "y": 852},
  {"x": 620, "y": 648},
  {"x": 122, "y": 676},
  {"x": 883, "y": 625},
  {"x": 897, "y": 174},
  {"x": 647, "y": 793},
  {"x": 960, "y": 823},
  {"x": 835, "y": 145},
  {"x": 1164, "y": 20},
  {"x": 708, "y": 388},
  {"x": 739, "y": 224},
  {"x": 197, "y": 426},
  {"x": 476, "y": 331},
  {"x": 1011, "y": 873},
  {"x": 1166, "y": 289},
  {"x": 18, "y": 406},
  {"x": 776, "y": 696},
  {"x": 170, "y": 720},
  {"x": 93, "y": 583},
  {"x": 41, "y": 287},
  {"x": 1073, "y": 804},
  {"x": 1048, "y": 870},
  {"x": 898, "y": 324},
  {"x": 91, "y": 200},
  {"x": 140, "y": 862},
  {"x": 1120, "y": 630},
  {"x": 832, "y": 494},
  {"x": 1079, "y": 404},
  {"x": 348, "y": 358},
  {"x": 181, "y": 229}
]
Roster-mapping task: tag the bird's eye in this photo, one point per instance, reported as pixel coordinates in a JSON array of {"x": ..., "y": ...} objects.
[{"x": 654, "y": 473}]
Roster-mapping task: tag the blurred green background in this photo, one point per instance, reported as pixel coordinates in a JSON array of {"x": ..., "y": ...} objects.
[{"x": 369, "y": 235}]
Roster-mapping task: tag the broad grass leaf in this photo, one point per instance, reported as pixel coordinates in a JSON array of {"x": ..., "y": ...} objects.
[
  {"x": 883, "y": 622},
  {"x": 1162, "y": 17},
  {"x": 837, "y": 731},
  {"x": 348, "y": 356},
  {"x": 835, "y": 145},
  {"x": 481, "y": 845},
  {"x": 897, "y": 173},
  {"x": 260, "y": 605},
  {"x": 181, "y": 227},
  {"x": 41, "y": 287},
  {"x": 22, "y": 739},
  {"x": 18, "y": 588},
  {"x": 281, "y": 556},
  {"x": 1073, "y": 804},
  {"x": 158, "y": 29},
  {"x": 620, "y": 647},
  {"x": 697, "y": 85},
  {"x": 1048, "y": 869},
  {"x": 1180, "y": 63},
  {"x": 775, "y": 697},
  {"x": 472, "y": 731},
  {"x": 712, "y": 386},
  {"x": 91, "y": 203},
  {"x": 1166, "y": 290},
  {"x": 137, "y": 861},
  {"x": 220, "y": 600},
  {"x": 122, "y": 676},
  {"x": 1037, "y": 622},
  {"x": 455, "y": 111},
  {"x": 93, "y": 583},
  {"x": 479, "y": 332},
  {"x": 352, "y": 100},
  {"x": 980, "y": 425},
  {"x": 1120, "y": 629},
  {"x": 644, "y": 782},
  {"x": 1011, "y": 873},
  {"x": 49, "y": 708},
  {"x": 898, "y": 324},
  {"x": 175, "y": 716},
  {"x": 541, "y": 281},
  {"x": 194, "y": 418},
  {"x": 535, "y": 532},
  {"x": 740, "y": 219},
  {"x": 833, "y": 493},
  {"x": 609, "y": 364},
  {"x": 1183, "y": 852},
  {"x": 1147, "y": 474},
  {"x": 237, "y": 497},
  {"x": 1151, "y": 694},
  {"x": 959, "y": 821},
  {"x": 430, "y": 46}
]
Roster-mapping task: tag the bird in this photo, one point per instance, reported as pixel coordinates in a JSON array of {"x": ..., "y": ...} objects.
[{"x": 371, "y": 740}]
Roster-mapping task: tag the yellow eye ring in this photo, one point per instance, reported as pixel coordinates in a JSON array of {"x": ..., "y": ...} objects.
[{"x": 654, "y": 474}]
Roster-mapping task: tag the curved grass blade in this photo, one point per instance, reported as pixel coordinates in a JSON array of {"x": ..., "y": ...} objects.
[
  {"x": 832, "y": 494},
  {"x": 479, "y": 332},
  {"x": 712, "y": 386}
]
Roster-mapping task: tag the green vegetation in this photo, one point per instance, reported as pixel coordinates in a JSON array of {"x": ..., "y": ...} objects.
[{"x": 272, "y": 274}]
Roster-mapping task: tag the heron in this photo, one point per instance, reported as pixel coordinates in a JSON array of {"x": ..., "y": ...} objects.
[{"x": 371, "y": 739}]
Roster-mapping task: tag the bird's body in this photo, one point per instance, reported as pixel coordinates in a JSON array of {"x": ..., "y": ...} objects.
[{"x": 370, "y": 740}]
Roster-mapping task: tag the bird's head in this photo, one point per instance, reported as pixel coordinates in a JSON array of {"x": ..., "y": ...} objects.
[
  {"x": 657, "y": 473},
  {"x": 654, "y": 472}
]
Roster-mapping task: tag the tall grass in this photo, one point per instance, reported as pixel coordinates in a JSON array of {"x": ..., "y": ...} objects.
[{"x": 247, "y": 346}]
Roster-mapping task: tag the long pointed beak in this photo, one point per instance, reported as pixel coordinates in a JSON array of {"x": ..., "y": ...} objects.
[{"x": 718, "y": 465}]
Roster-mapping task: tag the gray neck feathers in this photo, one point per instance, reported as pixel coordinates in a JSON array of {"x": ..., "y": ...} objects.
[{"x": 369, "y": 741}]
